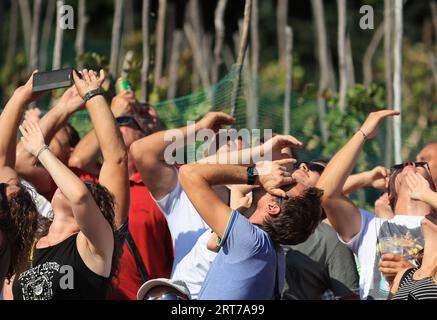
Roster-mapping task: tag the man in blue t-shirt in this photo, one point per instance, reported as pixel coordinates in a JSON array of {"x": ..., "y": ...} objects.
[{"x": 250, "y": 265}]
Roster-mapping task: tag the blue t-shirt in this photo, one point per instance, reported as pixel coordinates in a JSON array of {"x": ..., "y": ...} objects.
[{"x": 246, "y": 265}]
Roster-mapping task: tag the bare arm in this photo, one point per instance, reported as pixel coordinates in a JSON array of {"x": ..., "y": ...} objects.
[
  {"x": 376, "y": 178},
  {"x": 149, "y": 153},
  {"x": 341, "y": 212}
]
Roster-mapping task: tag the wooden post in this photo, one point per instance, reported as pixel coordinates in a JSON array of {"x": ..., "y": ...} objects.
[
  {"x": 342, "y": 53},
  {"x": 146, "y": 51},
  {"x": 81, "y": 32},
  {"x": 388, "y": 70},
  {"x": 59, "y": 38},
  {"x": 34, "y": 40},
  {"x": 241, "y": 53},
  {"x": 370, "y": 52},
  {"x": 160, "y": 40},
  {"x": 397, "y": 79},
  {"x": 289, "y": 81},
  {"x": 116, "y": 38}
]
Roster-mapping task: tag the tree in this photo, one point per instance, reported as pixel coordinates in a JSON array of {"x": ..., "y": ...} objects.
[
  {"x": 160, "y": 40},
  {"x": 388, "y": 71},
  {"x": 219, "y": 38},
  {"x": 342, "y": 53},
  {"x": 34, "y": 54},
  {"x": 370, "y": 52},
  {"x": 289, "y": 83},
  {"x": 46, "y": 32},
  {"x": 81, "y": 32},
  {"x": 281, "y": 24},
  {"x": 116, "y": 37},
  {"x": 12, "y": 39},
  {"x": 397, "y": 77},
  {"x": 26, "y": 25},
  {"x": 59, "y": 37},
  {"x": 174, "y": 63},
  {"x": 254, "y": 49},
  {"x": 146, "y": 51}
]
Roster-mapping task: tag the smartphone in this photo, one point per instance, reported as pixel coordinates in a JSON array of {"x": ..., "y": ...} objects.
[{"x": 48, "y": 80}]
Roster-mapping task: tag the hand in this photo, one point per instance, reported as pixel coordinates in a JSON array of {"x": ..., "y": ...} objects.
[
  {"x": 417, "y": 185},
  {"x": 90, "y": 81},
  {"x": 25, "y": 93},
  {"x": 33, "y": 114},
  {"x": 214, "y": 121},
  {"x": 125, "y": 102},
  {"x": 276, "y": 145},
  {"x": 275, "y": 174},
  {"x": 32, "y": 139},
  {"x": 391, "y": 264},
  {"x": 370, "y": 126},
  {"x": 382, "y": 207},
  {"x": 72, "y": 100},
  {"x": 378, "y": 177}
]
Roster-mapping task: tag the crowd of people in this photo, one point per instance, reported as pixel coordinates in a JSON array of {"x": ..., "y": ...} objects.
[{"x": 108, "y": 216}]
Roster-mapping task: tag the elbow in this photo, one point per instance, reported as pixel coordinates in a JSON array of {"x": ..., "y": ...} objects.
[
  {"x": 76, "y": 162},
  {"x": 186, "y": 174},
  {"x": 135, "y": 150}
]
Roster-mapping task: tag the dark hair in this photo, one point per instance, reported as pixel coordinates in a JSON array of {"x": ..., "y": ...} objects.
[
  {"x": 20, "y": 225},
  {"x": 73, "y": 135},
  {"x": 297, "y": 220},
  {"x": 393, "y": 195},
  {"x": 105, "y": 201}
]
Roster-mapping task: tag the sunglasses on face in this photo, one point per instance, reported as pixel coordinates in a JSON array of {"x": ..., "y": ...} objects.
[
  {"x": 312, "y": 166},
  {"x": 127, "y": 121},
  {"x": 417, "y": 164},
  {"x": 4, "y": 204},
  {"x": 168, "y": 296}
]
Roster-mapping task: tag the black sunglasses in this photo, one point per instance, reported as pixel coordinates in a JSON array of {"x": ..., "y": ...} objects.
[
  {"x": 126, "y": 121},
  {"x": 312, "y": 166},
  {"x": 415, "y": 164},
  {"x": 3, "y": 197}
]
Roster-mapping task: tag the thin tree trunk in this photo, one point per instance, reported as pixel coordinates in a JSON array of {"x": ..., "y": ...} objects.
[
  {"x": 388, "y": 45},
  {"x": 433, "y": 5},
  {"x": 27, "y": 25},
  {"x": 12, "y": 39},
  {"x": 81, "y": 33},
  {"x": 349, "y": 63},
  {"x": 342, "y": 54},
  {"x": 170, "y": 29},
  {"x": 322, "y": 57},
  {"x": 146, "y": 51},
  {"x": 127, "y": 30},
  {"x": 228, "y": 57},
  {"x": 254, "y": 49},
  {"x": 160, "y": 40},
  {"x": 174, "y": 63},
  {"x": 241, "y": 53},
  {"x": 289, "y": 82},
  {"x": 219, "y": 38},
  {"x": 281, "y": 24},
  {"x": 397, "y": 78},
  {"x": 370, "y": 52},
  {"x": 34, "y": 54},
  {"x": 59, "y": 37},
  {"x": 197, "y": 55},
  {"x": 116, "y": 37},
  {"x": 46, "y": 33}
]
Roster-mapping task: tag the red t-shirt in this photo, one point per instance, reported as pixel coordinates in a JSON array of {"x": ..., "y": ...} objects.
[{"x": 149, "y": 230}]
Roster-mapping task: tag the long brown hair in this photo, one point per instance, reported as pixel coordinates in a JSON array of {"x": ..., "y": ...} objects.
[{"x": 20, "y": 224}]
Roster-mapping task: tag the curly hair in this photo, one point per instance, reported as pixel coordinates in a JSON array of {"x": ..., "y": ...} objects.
[
  {"x": 105, "y": 201},
  {"x": 20, "y": 224},
  {"x": 297, "y": 220}
]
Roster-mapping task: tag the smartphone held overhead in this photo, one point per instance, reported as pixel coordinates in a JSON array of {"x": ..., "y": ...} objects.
[{"x": 49, "y": 80}]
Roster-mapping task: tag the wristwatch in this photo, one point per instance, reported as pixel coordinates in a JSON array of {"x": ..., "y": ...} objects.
[
  {"x": 252, "y": 173},
  {"x": 92, "y": 93}
]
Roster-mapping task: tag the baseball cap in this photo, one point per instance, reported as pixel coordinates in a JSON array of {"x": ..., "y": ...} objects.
[{"x": 179, "y": 285}]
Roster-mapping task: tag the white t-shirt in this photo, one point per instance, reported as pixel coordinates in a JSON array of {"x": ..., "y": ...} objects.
[
  {"x": 365, "y": 245},
  {"x": 183, "y": 220},
  {"x": 195, "y": 265}
]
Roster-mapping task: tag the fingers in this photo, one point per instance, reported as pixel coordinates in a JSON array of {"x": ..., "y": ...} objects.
[
  {"x": 102, "y": 75},
  {"x": 283, "y": 162},
  {"x": 225, "y": 118},
  {"x": 86, "y": 75},
  {"x": 278, "y": 192},
  {"x": 391, "y": 257},
  {"x": 93, "y": 75},
  {"x": 388, "y": 113},
  {"x": 76, "y": 77}
]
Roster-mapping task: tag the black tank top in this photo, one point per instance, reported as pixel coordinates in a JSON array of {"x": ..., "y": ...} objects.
[{"x": 59, "y": 273}]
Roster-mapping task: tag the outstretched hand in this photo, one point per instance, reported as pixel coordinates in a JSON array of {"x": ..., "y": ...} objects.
[
  {"x": 417, "y": 185},
  {"x": 25, "y": 91},
  {"x": 215, "y": 120},
  {"x": 90, "y": 81},
  {"x": 72, "y": 100},
  {"x": 275, "y": 174},
  {"x": 32, "y": 139},
  {"x": 370, "y": 126}
]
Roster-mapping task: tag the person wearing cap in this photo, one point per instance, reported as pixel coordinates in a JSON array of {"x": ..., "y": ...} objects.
[
  {"x": 164, "y": 289},
  {"x": 149, "y": 252}
]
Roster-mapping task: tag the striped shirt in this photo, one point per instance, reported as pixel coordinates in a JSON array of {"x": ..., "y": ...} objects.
[{"x": 410, "y": 289}]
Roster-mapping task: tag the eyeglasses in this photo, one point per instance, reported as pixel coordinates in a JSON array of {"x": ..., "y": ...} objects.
[
  {"x": 3, "y": 197},
  {"x": 168, "y": 296},
  {"x": 414, "y": 164},
  {"x": 126, "y": 121},
  {"x": 312, "y": 166}
]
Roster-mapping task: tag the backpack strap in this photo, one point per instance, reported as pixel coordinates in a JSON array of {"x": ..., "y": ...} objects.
[{"x": 138, "y": 260}]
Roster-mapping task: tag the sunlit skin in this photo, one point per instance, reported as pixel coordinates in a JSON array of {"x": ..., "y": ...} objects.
[{"x": 429, "y": 154}]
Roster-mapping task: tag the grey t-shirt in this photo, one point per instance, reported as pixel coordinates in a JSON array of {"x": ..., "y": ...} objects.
[{"x": 319, "y": 264}]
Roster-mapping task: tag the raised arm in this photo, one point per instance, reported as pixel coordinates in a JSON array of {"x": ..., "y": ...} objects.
[
  {"x": 148, "y": 153},
  {"x": 198, "y": 179},
  {"x": 113, "y": 174},
  {"x": 341, "y": 212},
  {"x": 50, "y": 124},
  {"x": 376, "y": 178},
  {"x": 87, "y": 214}
]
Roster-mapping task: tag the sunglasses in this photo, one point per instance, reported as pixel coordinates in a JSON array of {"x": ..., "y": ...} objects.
[
  {"x": 311, "y": 166},
  {"x": 126, "y": 121},
  {"x": 416, "y": 164},
  {"x": 168, "y": 296},
  {"x": 4, "y": 204}
]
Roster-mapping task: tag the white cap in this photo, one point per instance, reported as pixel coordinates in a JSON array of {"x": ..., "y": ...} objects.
[{"x": 179, "y": 285}]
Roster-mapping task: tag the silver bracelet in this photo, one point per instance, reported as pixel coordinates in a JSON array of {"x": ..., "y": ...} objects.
[{"x": 44, "y": 147}]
